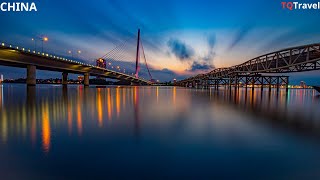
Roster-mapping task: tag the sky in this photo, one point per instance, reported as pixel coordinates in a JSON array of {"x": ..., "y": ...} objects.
[{"x": 180, "y": 38}]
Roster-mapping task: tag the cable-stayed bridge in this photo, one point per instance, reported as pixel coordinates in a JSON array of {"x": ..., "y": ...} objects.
[{"x": 121, "y": 63}]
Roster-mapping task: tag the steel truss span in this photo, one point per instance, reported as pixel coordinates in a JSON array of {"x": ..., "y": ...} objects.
[{"x": 294, "y": 59}]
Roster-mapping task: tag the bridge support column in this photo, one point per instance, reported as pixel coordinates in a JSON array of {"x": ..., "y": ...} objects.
[
  {"x": 246, "y": 83},
  {"x": 31, "y": 75},
  {"x": 86, "y": 79},
  {"x": 269, "y": 84},
  {"x": 217, "y": 84},
  {"x": 235, "y": 83},
  {"x": 64, "y": 78},
  {"x": 207, "y": 84},
  {"x": 252, "y": 83}
]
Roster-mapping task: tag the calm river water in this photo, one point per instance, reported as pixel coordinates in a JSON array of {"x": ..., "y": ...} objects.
[{"x": 51, "y": 132}]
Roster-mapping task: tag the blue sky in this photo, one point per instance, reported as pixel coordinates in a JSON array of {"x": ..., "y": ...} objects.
[{"x": 181, "y": 38}]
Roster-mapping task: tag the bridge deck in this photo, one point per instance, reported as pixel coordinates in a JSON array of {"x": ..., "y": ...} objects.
[{"x": 20, "y": 57}]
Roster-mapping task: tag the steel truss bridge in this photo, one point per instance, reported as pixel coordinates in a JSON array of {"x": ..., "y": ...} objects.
[
  {"x": 253, "y": 72},
  {"x": 116, "y": 68}
]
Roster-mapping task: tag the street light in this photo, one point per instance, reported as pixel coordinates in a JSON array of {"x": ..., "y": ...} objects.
[
  {"x": 35, "y": 44},
  {"x": 44, "y": 39},
  {"x": 71, "y": 52}
]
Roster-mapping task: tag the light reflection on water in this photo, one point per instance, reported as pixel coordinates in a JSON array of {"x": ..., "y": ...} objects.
[{"x": 157, "y": 131}]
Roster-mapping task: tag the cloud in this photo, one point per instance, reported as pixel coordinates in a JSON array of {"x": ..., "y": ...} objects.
[
  {"x": 161, "y": 74},
  {"x": 197, "y": 66},
  {"x": 240, "y": 36},
  {"x": 205, "y": 63},
  {"x": 211, "y": 40},
  {"x": 181, "y": 50}
]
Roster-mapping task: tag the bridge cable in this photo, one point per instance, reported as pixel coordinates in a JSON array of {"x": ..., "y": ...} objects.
[{"x": 145, "y": 60}]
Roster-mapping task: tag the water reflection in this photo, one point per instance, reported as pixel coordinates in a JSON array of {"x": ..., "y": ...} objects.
[
  {"x": 109, "y": 102},
  {"x": 171, "y": 126},
  {"x": 136, "y": 112},
  {"x": 46, "y": 130},
  {"x": 99, "y": 107},
  {"x": 1, "y": 96},
  {"x": 296, "y": 110}
]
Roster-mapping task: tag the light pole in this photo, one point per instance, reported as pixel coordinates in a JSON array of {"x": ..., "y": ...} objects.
[{"x": 44, "y": 39}]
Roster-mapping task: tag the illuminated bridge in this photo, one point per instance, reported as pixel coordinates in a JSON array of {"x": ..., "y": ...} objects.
[
  {"x": 108, "y": 66},
  {"x": 261, "y": 71}
]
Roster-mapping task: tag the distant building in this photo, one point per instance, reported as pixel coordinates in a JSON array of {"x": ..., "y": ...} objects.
[
  {"x": 1, "y": 78},
  {"x": 303, "y": 84}
]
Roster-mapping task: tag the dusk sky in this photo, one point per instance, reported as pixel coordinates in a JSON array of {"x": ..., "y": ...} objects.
[{"x": 181, "y": 38}]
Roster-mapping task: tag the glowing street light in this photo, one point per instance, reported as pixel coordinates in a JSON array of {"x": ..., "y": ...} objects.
[
  {"x": 44, "y": 39},
  {"x": 71, "y": 52},
  {"x": 35, "y": 44}
]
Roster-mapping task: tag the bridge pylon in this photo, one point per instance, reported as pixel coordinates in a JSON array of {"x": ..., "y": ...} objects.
[{"x": 138, "y": 55}]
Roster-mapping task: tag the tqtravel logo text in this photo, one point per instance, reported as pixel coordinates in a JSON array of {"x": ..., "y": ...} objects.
[
  {"x": 18, "y": 6},
  {"x": 300, "y": 6}
]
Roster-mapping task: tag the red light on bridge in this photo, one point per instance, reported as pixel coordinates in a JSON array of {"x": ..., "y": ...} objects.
[{"x": 101, "y": 63}]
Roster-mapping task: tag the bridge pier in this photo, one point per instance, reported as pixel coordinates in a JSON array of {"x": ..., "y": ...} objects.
[
  {"x": 64, "y": 78},
  {"x": 253, "y": 83},
  {"x": 262, "y": 84},
  {"x": 269, "y": 82},
  {"x": 31, "y": 75},
  {"x": 236, "y": 82},
  {"x": 86, "y": 79}
]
